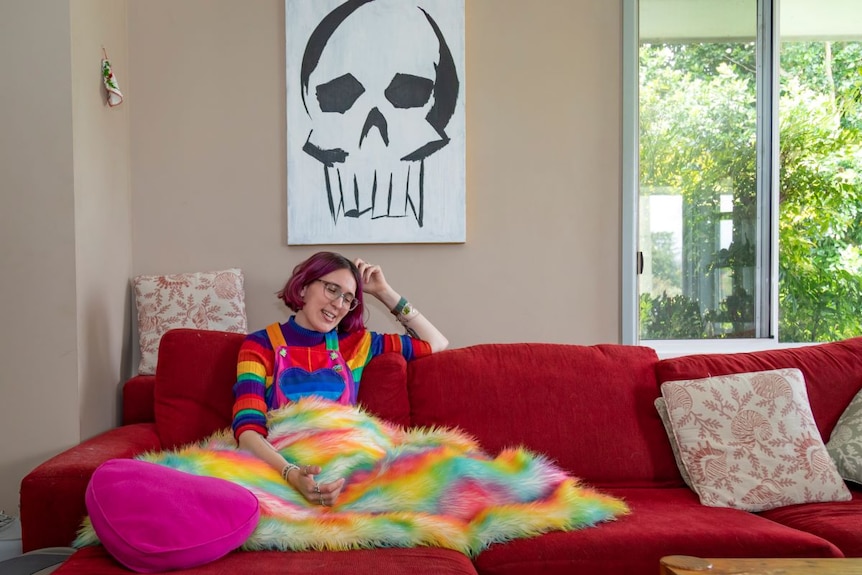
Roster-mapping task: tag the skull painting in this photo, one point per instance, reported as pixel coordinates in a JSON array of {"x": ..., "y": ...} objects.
[{"x": 379, "y": 85}]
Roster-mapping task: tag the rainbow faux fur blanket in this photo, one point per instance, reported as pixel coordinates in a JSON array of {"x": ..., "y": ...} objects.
[{"x": 403, "y": 488}]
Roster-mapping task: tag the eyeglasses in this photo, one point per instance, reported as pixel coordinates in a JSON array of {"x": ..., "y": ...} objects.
[{"x": 333, "y": 292}]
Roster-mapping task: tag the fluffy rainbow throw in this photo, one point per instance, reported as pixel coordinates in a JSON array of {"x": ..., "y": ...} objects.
[{"x": 403, "y": 488}]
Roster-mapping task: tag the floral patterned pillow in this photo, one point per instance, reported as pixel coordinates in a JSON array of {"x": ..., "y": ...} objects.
[
  {"x": 749, "y": 441},
  {"x": 845, "y": 444},
  {"x": 208, "y": 300}
]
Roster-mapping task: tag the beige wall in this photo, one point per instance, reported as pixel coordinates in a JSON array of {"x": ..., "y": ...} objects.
[
  {"x": 541, "y": 260},
  {"x": 64, "y": 230},
  {"x": 197, "y": 155},
  {"x": 103, "y": 197}
]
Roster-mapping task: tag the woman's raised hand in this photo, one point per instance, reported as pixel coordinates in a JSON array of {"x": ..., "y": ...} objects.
[{"x": 373, "y": 280}]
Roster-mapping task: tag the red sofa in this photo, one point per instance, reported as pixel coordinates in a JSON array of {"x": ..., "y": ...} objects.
[{"x": 588, "y": 407}]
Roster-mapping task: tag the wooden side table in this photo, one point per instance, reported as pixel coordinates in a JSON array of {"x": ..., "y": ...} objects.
[{"x": 686, "y": 565}]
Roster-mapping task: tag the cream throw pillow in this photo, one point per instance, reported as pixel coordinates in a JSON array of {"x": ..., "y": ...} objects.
[
  {"x": 206, "y": 300},
  {"x": 749, "y": 441},
  {"x": 845, "y": 444}
]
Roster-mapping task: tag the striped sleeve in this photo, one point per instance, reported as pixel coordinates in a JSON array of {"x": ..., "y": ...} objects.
[
  {"x": 409, "y": 347},
  {"x": 254, "y": 371},
  {"x": 360, "y": 347}
]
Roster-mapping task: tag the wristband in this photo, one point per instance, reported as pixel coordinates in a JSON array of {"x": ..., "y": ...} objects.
[
  {"x": 404, "y": 311},
  {"x": 285, "y": 471},
  {"x": 399, "y": 307}
]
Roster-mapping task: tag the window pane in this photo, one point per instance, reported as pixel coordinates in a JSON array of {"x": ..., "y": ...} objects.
[
  {"x": 698, "y": 194},
  {"x": 820, "y": 216}
]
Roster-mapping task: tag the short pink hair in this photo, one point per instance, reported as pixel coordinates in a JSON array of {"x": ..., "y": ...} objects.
[{"x": 315, "y": 268}]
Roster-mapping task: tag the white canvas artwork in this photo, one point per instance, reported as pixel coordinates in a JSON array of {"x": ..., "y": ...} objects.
[{"x": 376, "y": 134}]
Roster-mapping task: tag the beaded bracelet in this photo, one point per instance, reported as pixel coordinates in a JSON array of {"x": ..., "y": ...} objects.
[{"x": 285, "y": 471}]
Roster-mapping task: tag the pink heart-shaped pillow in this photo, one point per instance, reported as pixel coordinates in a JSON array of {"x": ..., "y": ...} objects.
[{"x": 152, "y": 518}]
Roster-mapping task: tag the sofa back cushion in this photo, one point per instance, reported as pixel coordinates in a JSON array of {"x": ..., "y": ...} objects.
[
  {"x": 590, "y": 408},
  {"x": 383, "y": 389},
  {"x": 194, "y": 384},
  {"x": 832, "y": 372}
]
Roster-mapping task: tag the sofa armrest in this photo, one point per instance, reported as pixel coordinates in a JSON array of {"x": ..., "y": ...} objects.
[
  {"x": 52, "y": 495},
  {"x": 139, "y": 400}
]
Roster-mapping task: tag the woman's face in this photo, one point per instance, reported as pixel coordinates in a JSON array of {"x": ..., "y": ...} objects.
[{"x": 319, "y": 312}]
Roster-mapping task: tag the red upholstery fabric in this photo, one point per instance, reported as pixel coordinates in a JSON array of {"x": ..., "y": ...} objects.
[
  {"x": 194, "y": 384},
  {"x": 663, "y": 522},
  {"x": 419, "y": 561},
  {"x": 837, "y": 522},
  {"x": 589, "y": 408},
  {"x": 138, "y": 400},
  {"x": 833, "y": 373},
  {"x": 383, "y": 390},
  {"x": 554, "y": 399},
  {"x": 52, "y": 495}
]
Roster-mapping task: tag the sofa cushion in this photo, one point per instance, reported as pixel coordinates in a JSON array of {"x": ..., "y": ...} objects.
[
  {"x": 664, "y": 521},
  {"x": 203, "y": 300},
  {"x": 749, "y": 440},
  {"x": 836, "y": 521},
  {"x": 383, "y": 389},
  {"x": 153, "y": 518},
  {"x": 415, "y": 561},
  {"x": 845, "y": 445},
  {"x": 194, "y": 384},
  {"x": 832, "y": 371},
  {"x": 554, "y": 399},
  {"x": 139, "y": 399}
]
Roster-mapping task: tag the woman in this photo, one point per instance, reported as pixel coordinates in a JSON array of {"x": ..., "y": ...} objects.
[{"x": 321, "y": 350}]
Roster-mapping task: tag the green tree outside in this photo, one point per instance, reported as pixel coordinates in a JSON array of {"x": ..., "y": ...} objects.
[{"x": 697, "y": 114}]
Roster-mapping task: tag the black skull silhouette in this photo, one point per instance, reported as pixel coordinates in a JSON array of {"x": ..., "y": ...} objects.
[{"x": 380, "y": 85}]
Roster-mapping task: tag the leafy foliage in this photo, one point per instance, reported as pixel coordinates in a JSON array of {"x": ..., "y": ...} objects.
[
  {"x": 670, "y": 317},
  {"x": 697, "y": 135}
]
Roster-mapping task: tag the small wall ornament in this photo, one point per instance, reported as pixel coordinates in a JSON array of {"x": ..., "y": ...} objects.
[{"x": 115, "y": 97}]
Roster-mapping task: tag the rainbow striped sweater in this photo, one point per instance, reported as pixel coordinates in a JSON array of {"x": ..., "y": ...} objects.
[{"x": 253, "y": 391}]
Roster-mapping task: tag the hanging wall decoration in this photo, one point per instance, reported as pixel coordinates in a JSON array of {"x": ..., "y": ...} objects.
[
  {"x": 115, "y": 97},
  {"x": 376, "y": 136}
]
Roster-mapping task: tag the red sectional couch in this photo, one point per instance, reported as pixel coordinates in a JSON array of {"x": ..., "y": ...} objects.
[{"x": 590, "y": 408}]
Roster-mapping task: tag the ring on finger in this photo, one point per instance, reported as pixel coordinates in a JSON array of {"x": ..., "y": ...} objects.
[{"x": 317, "y": 488}]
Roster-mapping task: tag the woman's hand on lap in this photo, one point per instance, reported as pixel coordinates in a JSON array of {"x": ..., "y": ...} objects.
[{"x": 325, "y": 494}]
